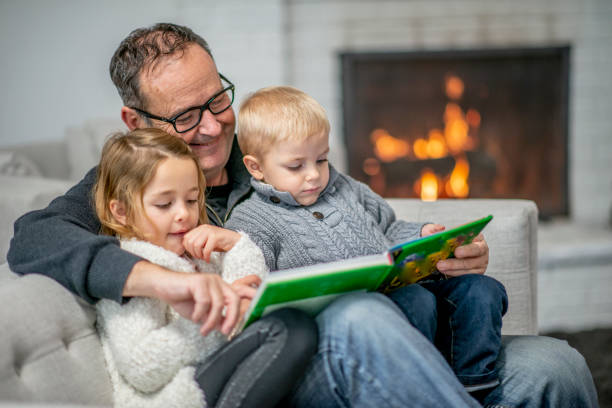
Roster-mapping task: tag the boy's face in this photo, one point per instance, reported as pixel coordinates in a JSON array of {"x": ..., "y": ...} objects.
[
  {"x": 298, "y": 167},
  {"x": 170, "y": 202}
]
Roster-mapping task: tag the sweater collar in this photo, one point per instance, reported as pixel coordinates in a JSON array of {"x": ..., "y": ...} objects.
[{"x": 270, "y": 193}]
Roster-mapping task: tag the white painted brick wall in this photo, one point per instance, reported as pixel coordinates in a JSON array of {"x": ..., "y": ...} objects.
[
  {"x": 575, "y": 298},
  {"x": 321, "y": 29}
]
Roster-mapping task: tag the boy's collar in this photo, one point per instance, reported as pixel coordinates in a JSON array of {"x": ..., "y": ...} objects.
[{"x": 285, "y": 197}]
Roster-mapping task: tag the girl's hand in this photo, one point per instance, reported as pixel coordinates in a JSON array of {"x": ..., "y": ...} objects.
[
  {"x": 201, "y": 241},
  {"x": 246, "y": 288},
  {"x": 429, "y": 229}
]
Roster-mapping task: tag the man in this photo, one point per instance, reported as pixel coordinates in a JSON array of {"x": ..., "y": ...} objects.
[{"x": 167, "y": 78}]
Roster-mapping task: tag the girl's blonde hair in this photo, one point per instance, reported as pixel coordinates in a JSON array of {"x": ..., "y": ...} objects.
[
  {"x": 277, "y": 114},
  {"x": 128, "y": 164}
]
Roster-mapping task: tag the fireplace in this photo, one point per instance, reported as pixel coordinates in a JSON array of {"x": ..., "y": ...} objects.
[{"x": 488, "y": 123}]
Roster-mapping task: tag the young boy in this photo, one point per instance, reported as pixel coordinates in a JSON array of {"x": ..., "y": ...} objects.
[{"x": 304, "y": 212}]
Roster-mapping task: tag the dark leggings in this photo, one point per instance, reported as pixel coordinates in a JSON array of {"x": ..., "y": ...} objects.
[{"x": 259, "y": 366}]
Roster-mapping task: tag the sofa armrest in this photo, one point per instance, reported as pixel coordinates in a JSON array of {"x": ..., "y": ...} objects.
[
  {"x": 512, "y": 240},
  {"x": 49, "y": 348},
  {"x": 19, "y": 195}
]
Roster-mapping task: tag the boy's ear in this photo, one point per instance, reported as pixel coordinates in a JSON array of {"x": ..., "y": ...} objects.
[
  {"x": 117, "y": 208},
  {"x": 253, "y": 166}
]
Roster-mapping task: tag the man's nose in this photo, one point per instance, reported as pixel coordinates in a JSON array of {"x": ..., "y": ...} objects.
[{"x": 209, "y": 125}]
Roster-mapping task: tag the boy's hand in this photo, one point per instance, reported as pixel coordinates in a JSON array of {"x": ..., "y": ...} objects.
[
  {"x": 470, "y": 258},
  {"x": 201, "y": 241},
  {"x": 429, "y": 229}
]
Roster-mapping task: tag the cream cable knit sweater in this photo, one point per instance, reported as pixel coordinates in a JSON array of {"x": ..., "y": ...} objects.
[{"x": 150, "y": 350}]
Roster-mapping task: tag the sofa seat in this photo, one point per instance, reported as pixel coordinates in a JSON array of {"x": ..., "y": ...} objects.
[{"x": 50, "y": 352}]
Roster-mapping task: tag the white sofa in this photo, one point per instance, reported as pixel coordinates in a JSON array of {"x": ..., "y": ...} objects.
[{"x": 50, "y": 352}]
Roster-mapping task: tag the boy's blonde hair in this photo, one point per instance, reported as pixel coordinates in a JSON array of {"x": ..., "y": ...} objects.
[
  {"x": 277, "y": 114},
  {"x": 128, "y": 164}
]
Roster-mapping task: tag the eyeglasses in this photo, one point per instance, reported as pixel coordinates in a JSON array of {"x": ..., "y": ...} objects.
[{"x": 190, "y": 118}]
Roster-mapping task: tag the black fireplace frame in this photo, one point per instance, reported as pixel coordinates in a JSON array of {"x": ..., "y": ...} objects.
[{"x": 349, "y": 59}]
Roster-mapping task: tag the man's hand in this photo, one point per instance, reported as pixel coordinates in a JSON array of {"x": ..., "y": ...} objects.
[
  {"x": 201, "y": 241},
  {"x": 203, "y": 298}
]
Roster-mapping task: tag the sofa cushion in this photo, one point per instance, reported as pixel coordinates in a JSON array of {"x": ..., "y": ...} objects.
[
  {"x": 20, "y": 195},
  {"x": 84, "y": 143},
  {"x": 15, "y": 164},
  {"x": 49, "y": 348}
]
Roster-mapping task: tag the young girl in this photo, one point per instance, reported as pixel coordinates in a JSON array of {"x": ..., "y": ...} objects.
[{"x": 150, "y": 194}]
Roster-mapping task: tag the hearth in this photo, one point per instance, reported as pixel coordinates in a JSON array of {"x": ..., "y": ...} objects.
[{"x": 488, "y": 123}]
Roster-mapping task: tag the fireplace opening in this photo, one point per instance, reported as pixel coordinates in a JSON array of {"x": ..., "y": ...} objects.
[{"x": 489, "y": 123}]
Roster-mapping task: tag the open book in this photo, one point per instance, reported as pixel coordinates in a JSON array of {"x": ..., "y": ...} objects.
[{"x": 312, "y": 288}]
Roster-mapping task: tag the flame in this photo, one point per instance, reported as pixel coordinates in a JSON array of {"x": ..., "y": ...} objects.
[
  {"x": 456, "y": 129},
  {"x": 371, "y": 166},
  {"x": 454, "y": 87},
  {"x": 436, "y": 146},
  {"x": 473, "y": 118},
  {"x": 429, "y": 185},
  {"x": 459, "y": 135},
  {"x": 457, "y": 185},
  {"x": 388, "y": 148},
  {"x": 420, "y": 148}
]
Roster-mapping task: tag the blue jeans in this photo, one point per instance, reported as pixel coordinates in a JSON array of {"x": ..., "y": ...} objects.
[
  {"x": 462, "y": 316},
  {"x": 370, "y": 356}
]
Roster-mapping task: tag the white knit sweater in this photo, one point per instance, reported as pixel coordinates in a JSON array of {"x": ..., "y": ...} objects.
[{"x": 150, "y": 350}]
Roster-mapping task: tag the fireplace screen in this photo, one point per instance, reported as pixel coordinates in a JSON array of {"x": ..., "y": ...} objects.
[{"x": 458, "y": 124}]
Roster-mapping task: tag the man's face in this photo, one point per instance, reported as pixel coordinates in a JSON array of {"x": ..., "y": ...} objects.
[
  {"x": 180, "y": 82},
  {"x": 298, "y": 167},
  {"x": 170, "y": 203}
]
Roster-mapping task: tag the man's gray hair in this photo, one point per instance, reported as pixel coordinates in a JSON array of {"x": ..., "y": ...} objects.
[{"x": 143, "y": 48}]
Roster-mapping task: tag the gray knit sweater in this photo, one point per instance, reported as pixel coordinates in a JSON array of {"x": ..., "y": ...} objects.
[{"x": 348, "y": 220}]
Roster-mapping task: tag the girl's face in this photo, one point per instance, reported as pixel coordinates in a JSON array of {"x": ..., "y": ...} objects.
[{"x": 170, "y": 202}]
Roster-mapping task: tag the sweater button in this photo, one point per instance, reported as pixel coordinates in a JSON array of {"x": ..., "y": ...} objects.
[
  {"x": 318, "y": 215},
  {"x": 275, "y": 199}
]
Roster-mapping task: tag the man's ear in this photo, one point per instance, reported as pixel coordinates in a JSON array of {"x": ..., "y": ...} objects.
[
  {"x": 253, "y": 166},
  {"x": 131, "y": 118},
  {"x": 117, "y": 208}
]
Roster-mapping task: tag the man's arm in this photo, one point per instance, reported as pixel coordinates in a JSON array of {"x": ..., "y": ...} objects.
[
  {"x": 203, "y": 298},
  {"x": 62, "y": 242}
]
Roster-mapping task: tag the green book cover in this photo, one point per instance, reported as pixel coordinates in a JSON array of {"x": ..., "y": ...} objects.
[
  {"x": 312, "y": 288},
  {"x": 416, "y": 260}
]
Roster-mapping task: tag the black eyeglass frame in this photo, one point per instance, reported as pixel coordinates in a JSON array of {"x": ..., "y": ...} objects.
[{"x": 202, "y": 108}]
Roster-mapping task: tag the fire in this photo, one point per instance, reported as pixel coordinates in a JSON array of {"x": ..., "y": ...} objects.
[
  {"x": 457, "y": 128},
  {"x": 428, "y": 185},
  {"x": 454, "y": 87},
  {"x": 387, "y": 147},
  {"x": 436, "y": 146},
  {"x": 457, "y": 184},
  {"x": 457, "y": 137}
]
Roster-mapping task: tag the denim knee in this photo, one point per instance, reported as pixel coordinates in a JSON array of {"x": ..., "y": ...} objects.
[
  {"x": 483, "y": 290},
  {"x": 357, "y": 315},
  {"x": 419, "y": 306},
  {"x": 542, "y": 371}
]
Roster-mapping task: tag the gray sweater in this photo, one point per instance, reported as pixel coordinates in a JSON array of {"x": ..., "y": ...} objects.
[{"x": 348, "y": 220}]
